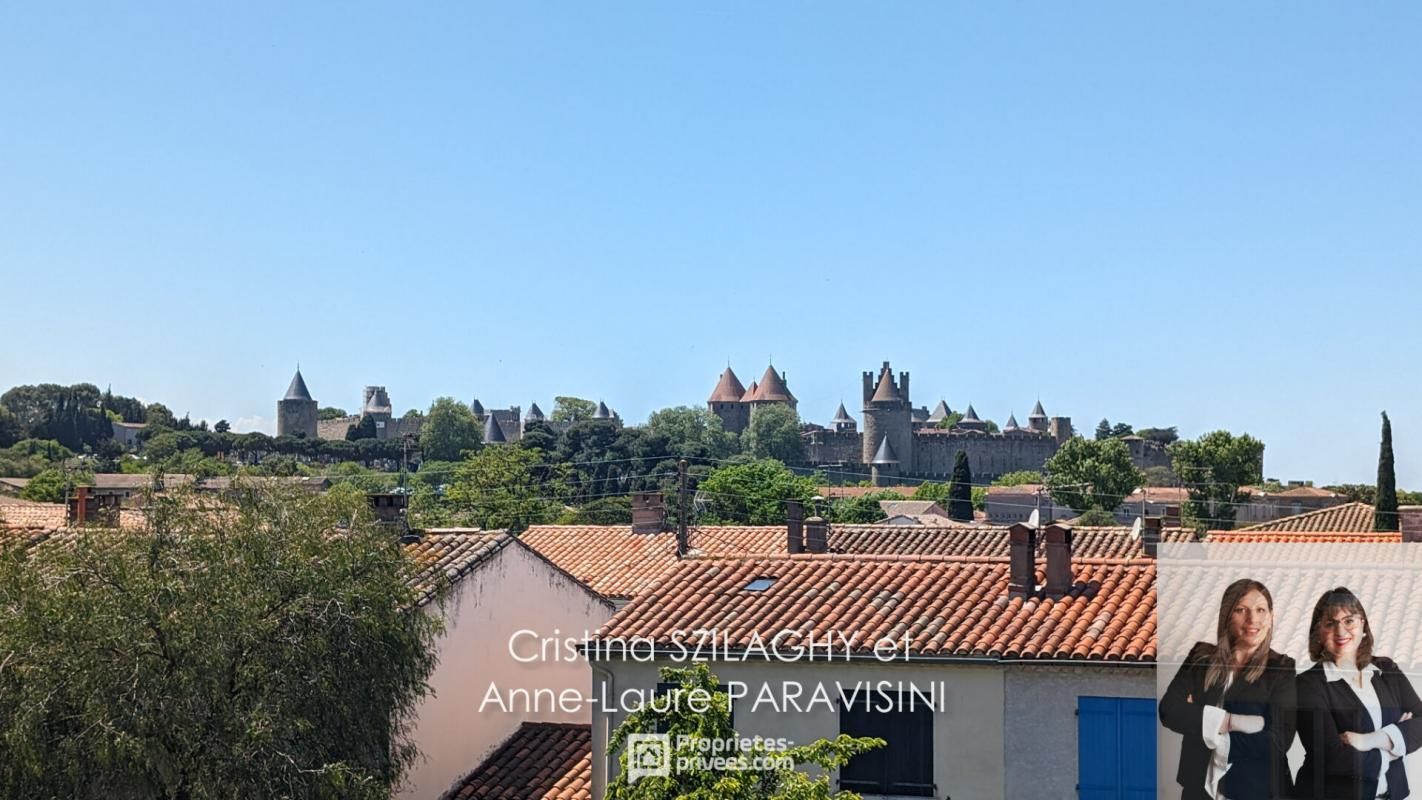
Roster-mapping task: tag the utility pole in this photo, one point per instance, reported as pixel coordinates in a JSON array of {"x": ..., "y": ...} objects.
[{"x": 682, "y": 544}]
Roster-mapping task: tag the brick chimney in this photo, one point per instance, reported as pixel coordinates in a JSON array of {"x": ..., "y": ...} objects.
[
  {"x": 1151, "y": 534},
  {"x": 1022, "y": 559},
  {"x": 1410, "y": 523},
  {"x": 1172, "y": 516},
  {"x": 794, "y": 527},
  {"x": 816, "y": 535},
  {"x": 649, "y": 512},
  {"x": 1058, "y": 547}
]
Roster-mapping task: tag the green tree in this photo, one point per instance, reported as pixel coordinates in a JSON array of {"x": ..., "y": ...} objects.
[
  {"x": 931, "y": 490},
  {"x": 754, "y": 493},
  {"x": 1097, "y": 518},
  {"x": 1385, "y": 514},
  {"x": 1021, "y": 477},
  {"x": 1214, "y": 468},
  {"x": 498, "y": 487},
  {"x": 158, "y": 415},
  {"x": 960, "y": 493},
  {"x": 222, "y": 426},
  {"x": 603, "y": 511},
  {"x": 1159, "y": 435},
  {"x": 774, "y": 432},
  {"x": 50, "y": 486},
  {"x": 1086, "y": 474},
  {"x": 1120, "y": 430},
  {"x": 695, "y": 712},
  {"x": 449, "y": 430},
  {"x": 862, "y": 509},
  {"x": 1103, "y": 430},
  {"x": 241, "y": 654},
  {"x": 691, "y": 433},
  {"x": 331, "y": 412},
  {"x": 10, "y": 429},
  {"x": 949, "y": 421},
  {"x": 572, "y": 409}
]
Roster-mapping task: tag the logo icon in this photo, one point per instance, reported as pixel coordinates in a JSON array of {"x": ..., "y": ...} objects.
[{"x": 648, "y": 756}]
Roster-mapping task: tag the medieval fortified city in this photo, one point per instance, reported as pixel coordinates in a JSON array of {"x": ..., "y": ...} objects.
[{"x": 629, "y": 401}]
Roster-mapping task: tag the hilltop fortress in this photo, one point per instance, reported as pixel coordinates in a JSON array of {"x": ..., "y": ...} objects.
[{"x": 899, "y": 440}]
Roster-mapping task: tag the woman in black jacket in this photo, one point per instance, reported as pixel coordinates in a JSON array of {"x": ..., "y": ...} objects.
[
  {"x": 1358, "y": 714},
  {"x": 1233, "y": 702}
]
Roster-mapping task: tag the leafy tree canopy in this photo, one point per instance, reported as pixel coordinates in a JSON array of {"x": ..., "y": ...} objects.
[
  {"x": 691, "y": 433},
  {"x": 754, "y": 493},
  {"x": 774, "y": 432},
  {"x": 694, "y": 712},
  {"x": 450, "y": 429},
  {"x": 1214, "y": 468},
  {"x": 1086, "y": 474},
  {"x": 331, "y": 412},
  {"x": 241, "y": 654},
  {"x": 572, "y": 409},
  {"x": 499, "y": 487},
  {"x": 1021, "y": 477}
]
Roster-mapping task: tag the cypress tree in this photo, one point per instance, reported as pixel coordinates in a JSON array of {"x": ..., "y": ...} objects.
[
  {"x": 1103, "y": 430},
  {"x": 960, "y": 493},
  {"x": 1385, "y": 514}
]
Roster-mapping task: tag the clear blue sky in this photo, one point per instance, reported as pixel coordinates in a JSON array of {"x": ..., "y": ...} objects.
[{"x": 1205, "y": 218}]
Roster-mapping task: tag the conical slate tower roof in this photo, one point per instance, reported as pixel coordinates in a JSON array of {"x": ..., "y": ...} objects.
[
  {"x": 841, "y": 415},
  {"x": 1011, "y": 422},
  {"x": 885, "y": 391},
  {"x": 940, "y": 412},
  {"x": 1037, "y": 412},
  {"x": 478, "y": 408},
  {"x": 535, "y": 414},
  {"x": 728, "y": 390},
  {"x": 971, "y": 415},
  {"x": 602, "y": 411},
  {"x": 885, "y": 453},
  {"x": 773, "y": 388},
  {"x": 493, "y": 434},
  {"x": 297, "y": 390}
]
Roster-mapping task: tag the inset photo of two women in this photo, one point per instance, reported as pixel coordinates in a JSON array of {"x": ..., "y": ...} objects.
[{"x": 1289, "y": 670}]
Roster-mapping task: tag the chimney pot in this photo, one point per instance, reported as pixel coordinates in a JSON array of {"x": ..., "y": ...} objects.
[
  {"x": 816, "y": 535},
  {"x": 1172, "y": 516},
  {"x": 1151, "y": 536},
  {"x": 1022, "y": 552},
  {"x": 1058, "y": 546},
  {"x": 794, "y": 527},
  {"x": 1410, "y": 523}
]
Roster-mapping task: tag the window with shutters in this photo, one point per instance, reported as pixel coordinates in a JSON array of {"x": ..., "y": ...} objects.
[{"x": 905, "y": 766}]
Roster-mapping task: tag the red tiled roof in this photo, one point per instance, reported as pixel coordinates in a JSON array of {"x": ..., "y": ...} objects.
[
  {"x": 615, "y": 562},
  {"x": 728, "y": 389},
  {"x": 450, "y": 554},
  {"x": 1298, "y": 537},
  {"x": 23, "y": 515},
  {"x": 772, "y": 388},
  {"x": 541, "y": 761},
  {"x": 1307, "y": 491},
  {"x": 1349, "y": 517},
  {"x": 836, "y": 492},
  {"x": 942, "y": 606}
]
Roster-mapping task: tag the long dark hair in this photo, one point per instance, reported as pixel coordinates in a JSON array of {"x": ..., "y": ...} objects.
[
  {"x": 1222, "y": 662},
  {"x": 1335, "y": 600}
]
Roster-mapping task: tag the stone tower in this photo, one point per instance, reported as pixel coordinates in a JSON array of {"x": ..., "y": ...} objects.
[
  {"x": 725, "y": 402},
  {"x": 888, "y": 415},
  {"x": 296, "y": 412},
  {"x": 377, "y": 406}
]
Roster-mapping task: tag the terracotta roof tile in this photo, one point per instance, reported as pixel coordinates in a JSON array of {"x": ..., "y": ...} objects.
[
  {"x": 1352, "y": 517},
  {"x": 729, "y": 389},
  {"x": 615, "y": 562},
  {"x": 941, "y": 606},
  {"x": 772, "y": 388},
  {"x": 541, "y": 761}
]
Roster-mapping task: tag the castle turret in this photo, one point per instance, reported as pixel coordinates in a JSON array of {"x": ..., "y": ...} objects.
[
  {"x": 1037, "y": 420},
  {"x": 493, "y": 432},
  {"x": 377, "y": 406},
  {"x": 888, "y": 416},
  {"x": 842, "y": 422},
  {"x": 940, "y": 413},
  {"x": 971, "y": 421},
  {"x": 727, "y": 402},
  {"x": 296, "y": 412},
  {"x": 535, "y": 414},
  {"x": 885, "y": 465}
]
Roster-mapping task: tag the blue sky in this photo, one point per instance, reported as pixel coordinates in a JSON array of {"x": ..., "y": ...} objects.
[{"x": 1204, "y": 218}]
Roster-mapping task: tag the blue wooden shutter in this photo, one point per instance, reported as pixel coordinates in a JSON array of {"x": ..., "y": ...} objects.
[{"x": 1115, "y": 748}]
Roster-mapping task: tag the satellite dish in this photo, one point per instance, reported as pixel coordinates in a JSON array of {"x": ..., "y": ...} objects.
[
  {"x": 1034, "y": 520},
  {"x": 1136, "y": 529}
]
